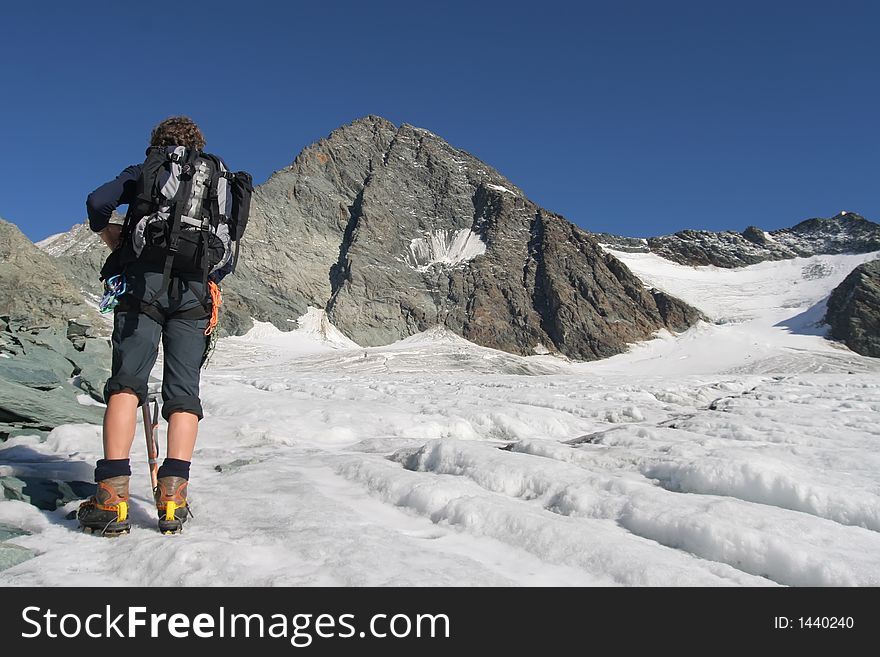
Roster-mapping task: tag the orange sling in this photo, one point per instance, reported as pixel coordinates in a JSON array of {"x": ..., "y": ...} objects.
[{"x": 216, "y": 302}]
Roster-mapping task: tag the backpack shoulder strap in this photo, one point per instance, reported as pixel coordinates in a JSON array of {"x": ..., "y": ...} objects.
[
  {"x": 176, "y": 190},
  {"x": 231, "y": 198},
  {"x": 154, "y": 187},
  {"x": 219, "y": 190}
]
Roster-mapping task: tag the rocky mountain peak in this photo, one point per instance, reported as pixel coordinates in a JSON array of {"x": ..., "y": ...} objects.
[
  {"x": 393, "y": 231},
  {"x": 437, "y": 237},
  {"x": 843, "y": 220},
  {"x": 846, "y": 232}
]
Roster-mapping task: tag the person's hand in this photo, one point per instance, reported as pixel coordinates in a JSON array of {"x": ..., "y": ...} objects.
[{"x": 112, "y": 236}]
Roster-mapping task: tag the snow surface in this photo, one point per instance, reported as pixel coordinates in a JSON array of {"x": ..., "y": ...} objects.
[
  {"x": 763, "y": 318},
  {"x": 742, "y": 452},
  {"x": 445, "y": 248}
]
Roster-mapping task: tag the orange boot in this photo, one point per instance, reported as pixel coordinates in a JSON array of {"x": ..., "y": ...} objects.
[
  {"x": 171, "y": 504},
  {"x": 106, "y": 512}
]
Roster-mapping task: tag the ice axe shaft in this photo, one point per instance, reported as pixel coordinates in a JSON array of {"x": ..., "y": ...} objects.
[{"x": 151, "y": 430}]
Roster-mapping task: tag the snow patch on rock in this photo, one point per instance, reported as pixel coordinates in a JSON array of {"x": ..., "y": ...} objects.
[{"x": 445, "y": 248}]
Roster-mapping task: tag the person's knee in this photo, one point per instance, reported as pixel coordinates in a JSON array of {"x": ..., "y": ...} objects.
[
  {"x": 124, "y": 396},
  {"x": 183, "y": 403},
  {"x": 124, "y": 384}
]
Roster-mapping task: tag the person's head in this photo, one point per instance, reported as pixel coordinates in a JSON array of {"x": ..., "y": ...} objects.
[{"x": 178, "y": 131}]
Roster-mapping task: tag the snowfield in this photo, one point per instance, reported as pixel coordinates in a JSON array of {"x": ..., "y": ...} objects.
[{"x": 743, "y": 452}]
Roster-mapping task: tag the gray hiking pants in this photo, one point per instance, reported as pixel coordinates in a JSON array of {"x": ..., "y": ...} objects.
[{"x": 136, "y": 338}]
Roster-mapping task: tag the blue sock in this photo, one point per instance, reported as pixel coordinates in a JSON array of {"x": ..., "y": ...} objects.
[
  {"x": 174, "y": 468},
  {"x": 106, "y": 468}
]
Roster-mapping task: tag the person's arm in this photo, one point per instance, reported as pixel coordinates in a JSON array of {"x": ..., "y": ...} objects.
[{"x": 109, "y": 196}]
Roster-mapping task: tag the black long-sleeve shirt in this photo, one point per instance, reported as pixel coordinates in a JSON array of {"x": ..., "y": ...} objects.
[{"x": 120, "y": 191}]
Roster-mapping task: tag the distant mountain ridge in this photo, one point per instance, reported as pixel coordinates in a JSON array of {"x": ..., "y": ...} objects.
[{"x": 846, "y": 232}]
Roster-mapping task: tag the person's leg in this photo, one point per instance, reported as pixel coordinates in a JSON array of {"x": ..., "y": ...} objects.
[
  {"x": 183, "y": 428},
  {"x": 184, "y": 343},
  {"x": 135, "y": 348},
  {"x": 120, "y": 420},
  {"x": 135, "y": 345}
]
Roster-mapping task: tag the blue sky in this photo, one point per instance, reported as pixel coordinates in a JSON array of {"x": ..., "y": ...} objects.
[{"x": 638, "y": 118}]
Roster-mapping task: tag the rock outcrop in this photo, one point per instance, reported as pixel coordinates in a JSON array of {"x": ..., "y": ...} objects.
[
  {"x": 33, "y": 286},
  {"x": 54, "y": 353},
  {"x": 50, "y": 376},
  {"x": 854, "y": 310}
]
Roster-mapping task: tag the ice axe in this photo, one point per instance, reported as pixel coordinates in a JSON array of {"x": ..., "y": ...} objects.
[{"x": 150, "y": 410}]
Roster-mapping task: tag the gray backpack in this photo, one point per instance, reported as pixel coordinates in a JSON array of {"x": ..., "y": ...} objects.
[{"x": 189, "y": 211}]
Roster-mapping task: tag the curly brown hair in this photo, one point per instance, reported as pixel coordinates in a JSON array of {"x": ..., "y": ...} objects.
[{"x": 178, "y": 131}]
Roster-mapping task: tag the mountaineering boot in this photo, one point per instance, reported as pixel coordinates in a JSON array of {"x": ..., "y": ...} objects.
[
  {"x": 171, "y": 504},
  {"x": 106, "y": 512}
]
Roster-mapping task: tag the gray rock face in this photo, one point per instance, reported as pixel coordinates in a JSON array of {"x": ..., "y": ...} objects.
[
  {"x": 79, "y": 254},
  {"x": 844, "y": 233},
  {"x": 52, "y": 352},
  {"x": 11, "y": 554},
  {"x": 854, "y": 310},
  {"x": 45, "y": 371},
  {"x": 298, "y": 223},
  {"x": 620, "y": 243},
  {"x": 42, "y": 492},
  {"x": 438, "y": 237},
  {"x": 33, "y": 286},
  {"x": 726, "y": 249}
]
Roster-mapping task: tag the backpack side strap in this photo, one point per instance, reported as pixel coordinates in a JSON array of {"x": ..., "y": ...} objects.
[{"x": 151, "y": 310}]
